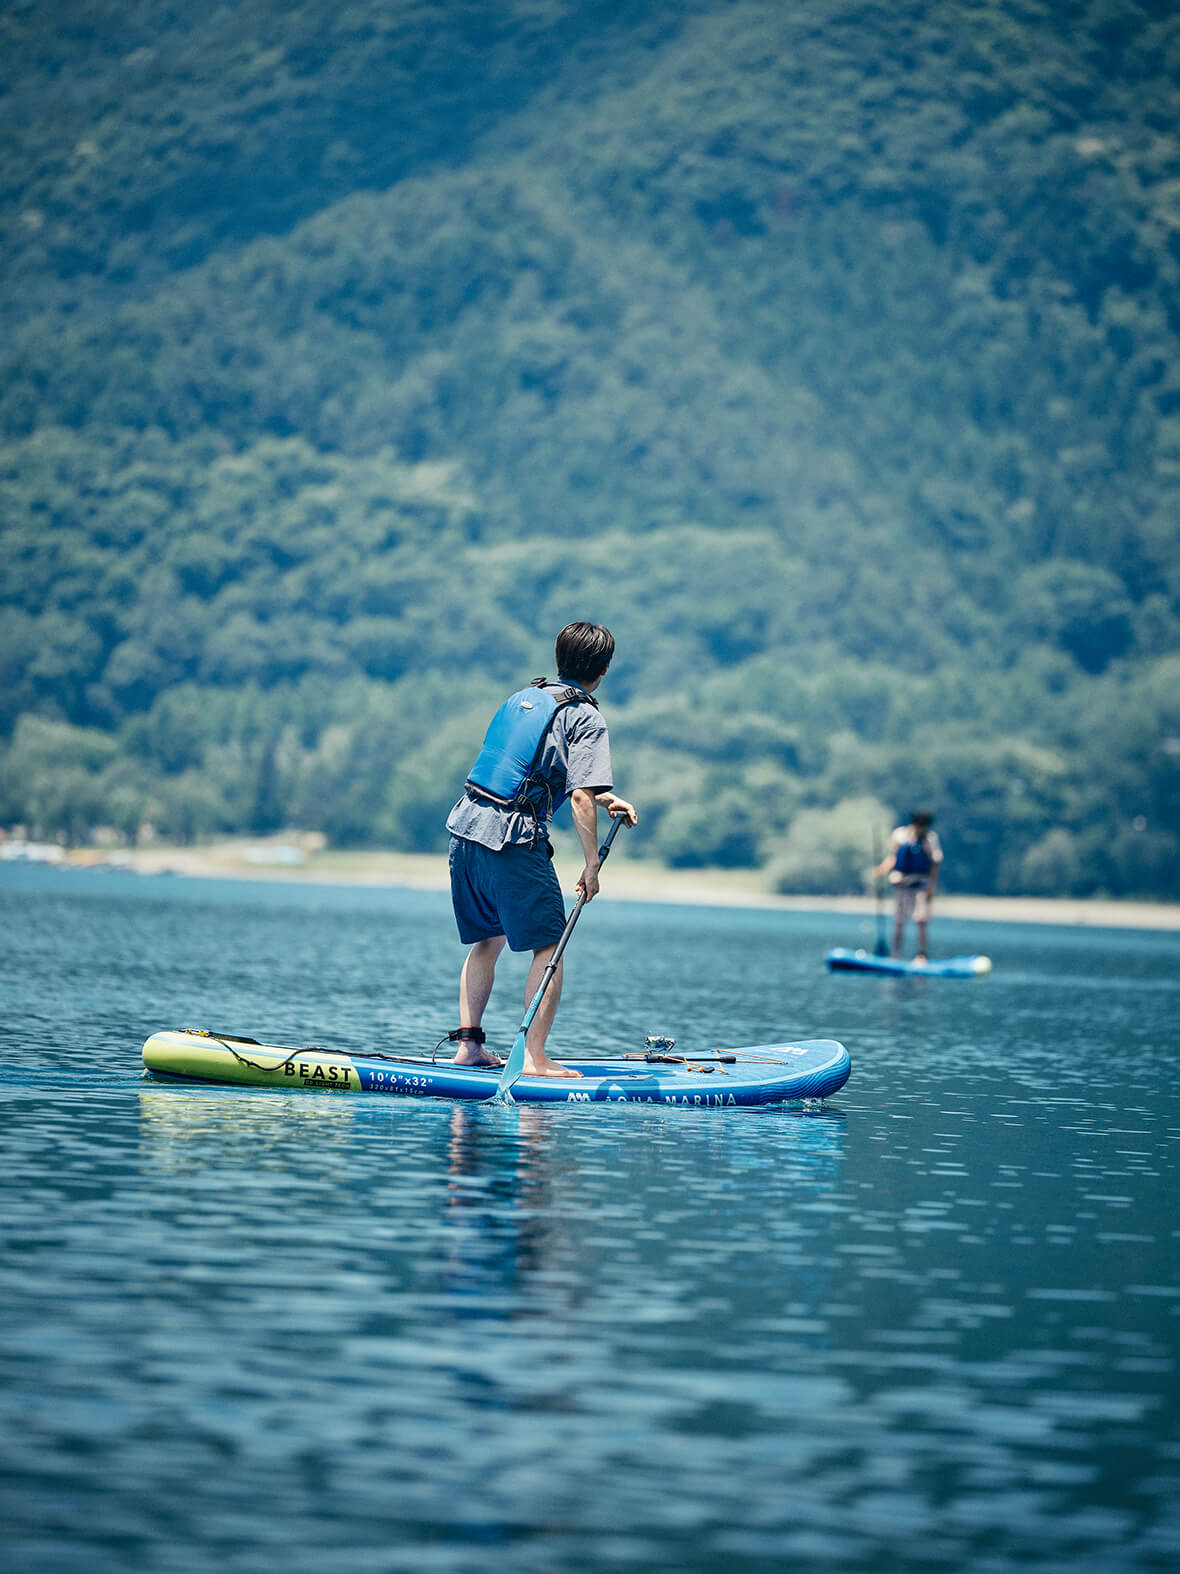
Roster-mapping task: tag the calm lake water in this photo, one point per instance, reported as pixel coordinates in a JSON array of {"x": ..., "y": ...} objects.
[{"x": 931, "y": 1326}]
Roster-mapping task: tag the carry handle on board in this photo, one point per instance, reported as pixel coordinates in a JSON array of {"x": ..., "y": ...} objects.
[{"x": 514, "y": 1065}]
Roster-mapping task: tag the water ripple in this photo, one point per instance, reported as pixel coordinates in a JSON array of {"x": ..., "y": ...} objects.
[{"x": 932, "y": 1325}]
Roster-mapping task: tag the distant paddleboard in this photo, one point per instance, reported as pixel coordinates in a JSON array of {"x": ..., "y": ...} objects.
[
  {"x": 843, "y": 961},
  {"x": 722, "y": 1079}
]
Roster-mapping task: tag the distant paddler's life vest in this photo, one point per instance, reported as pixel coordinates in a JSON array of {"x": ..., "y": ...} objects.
[
  {"x": 912, "y": 860},
  {"x": 505, "y": 770}
]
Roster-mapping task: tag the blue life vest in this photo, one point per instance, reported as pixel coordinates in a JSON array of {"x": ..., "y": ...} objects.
[
  {"x": 913, "y": 858},
  {"x": 505, "y": 769}
]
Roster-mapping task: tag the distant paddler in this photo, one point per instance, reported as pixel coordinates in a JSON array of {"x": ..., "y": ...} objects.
[
  {"x": 912, "y": 864},
  {"x": 547, "y": 743}
]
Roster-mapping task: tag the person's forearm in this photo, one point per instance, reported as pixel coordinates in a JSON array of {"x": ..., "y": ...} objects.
[{"x": 584, "y": 809}]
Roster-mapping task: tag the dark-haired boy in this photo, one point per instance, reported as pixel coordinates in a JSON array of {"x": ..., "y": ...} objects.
[{"x": 546, "y": 744}]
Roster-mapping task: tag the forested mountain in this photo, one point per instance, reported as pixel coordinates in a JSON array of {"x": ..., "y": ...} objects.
[{"x": 827, "y": 351}]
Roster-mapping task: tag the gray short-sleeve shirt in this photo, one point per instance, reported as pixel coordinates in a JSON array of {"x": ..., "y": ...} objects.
[{"x": 576, "y": 754}]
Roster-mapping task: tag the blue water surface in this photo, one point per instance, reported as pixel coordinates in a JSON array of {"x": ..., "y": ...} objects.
[{"x": 930, "y": 1326}]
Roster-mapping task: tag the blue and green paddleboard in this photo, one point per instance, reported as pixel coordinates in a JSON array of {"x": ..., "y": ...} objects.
[
  {"x": 722, "y": 1079},
  {"x": 843, "y": 961}
]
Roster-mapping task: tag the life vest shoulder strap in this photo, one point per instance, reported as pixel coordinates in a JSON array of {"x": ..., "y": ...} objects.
[{"x": 571, "y": 695}]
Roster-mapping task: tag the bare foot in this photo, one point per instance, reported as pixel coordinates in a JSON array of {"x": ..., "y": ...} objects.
[
  {"x": 544, "y": 1067},
  {"x": 474, "y": 1055}
]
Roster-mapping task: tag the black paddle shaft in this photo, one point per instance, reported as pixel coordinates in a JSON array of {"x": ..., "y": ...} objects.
[
  {"x": 881, "y": 948},
  {"x": 569, "y": 928},
  {"x": 514, "y": 1065}
]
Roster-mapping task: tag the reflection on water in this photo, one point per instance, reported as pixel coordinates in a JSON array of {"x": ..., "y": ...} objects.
[
  {"x": 930, "y": 1326},
  {"x": 498, "y": 1213}
]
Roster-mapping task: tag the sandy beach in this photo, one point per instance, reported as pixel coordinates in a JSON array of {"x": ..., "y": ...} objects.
[{"x": 624, "y": 879}]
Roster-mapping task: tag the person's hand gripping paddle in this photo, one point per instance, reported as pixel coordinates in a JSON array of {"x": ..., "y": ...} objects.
[{"x": 514, "y": 1065}]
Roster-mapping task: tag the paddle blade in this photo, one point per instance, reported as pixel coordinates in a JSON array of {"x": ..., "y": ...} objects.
[
  {"x": 512, "y": 1067},
  {"x": 882, "y": 946}
]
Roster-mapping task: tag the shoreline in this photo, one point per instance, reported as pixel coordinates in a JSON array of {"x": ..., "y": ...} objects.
[{"x": 626, "y": 880}]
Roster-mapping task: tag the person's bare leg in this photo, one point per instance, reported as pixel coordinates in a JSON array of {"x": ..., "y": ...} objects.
[
  {"x": 536, "y": 1061},
  {"x": 475, "y": 987}
]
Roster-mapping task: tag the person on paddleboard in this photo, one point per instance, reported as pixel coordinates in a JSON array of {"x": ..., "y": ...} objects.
[
  {"x": 545, "y": 745},
  {"x": 912, "y": 865}
]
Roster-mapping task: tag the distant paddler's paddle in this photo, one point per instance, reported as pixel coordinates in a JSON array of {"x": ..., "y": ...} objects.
[
  {"x": 514, "y": 1065},
  {"x": 882, "y": 946}
]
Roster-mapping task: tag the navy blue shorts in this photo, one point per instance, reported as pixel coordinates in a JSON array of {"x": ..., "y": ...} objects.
[{"x": 513, "y": 892}]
